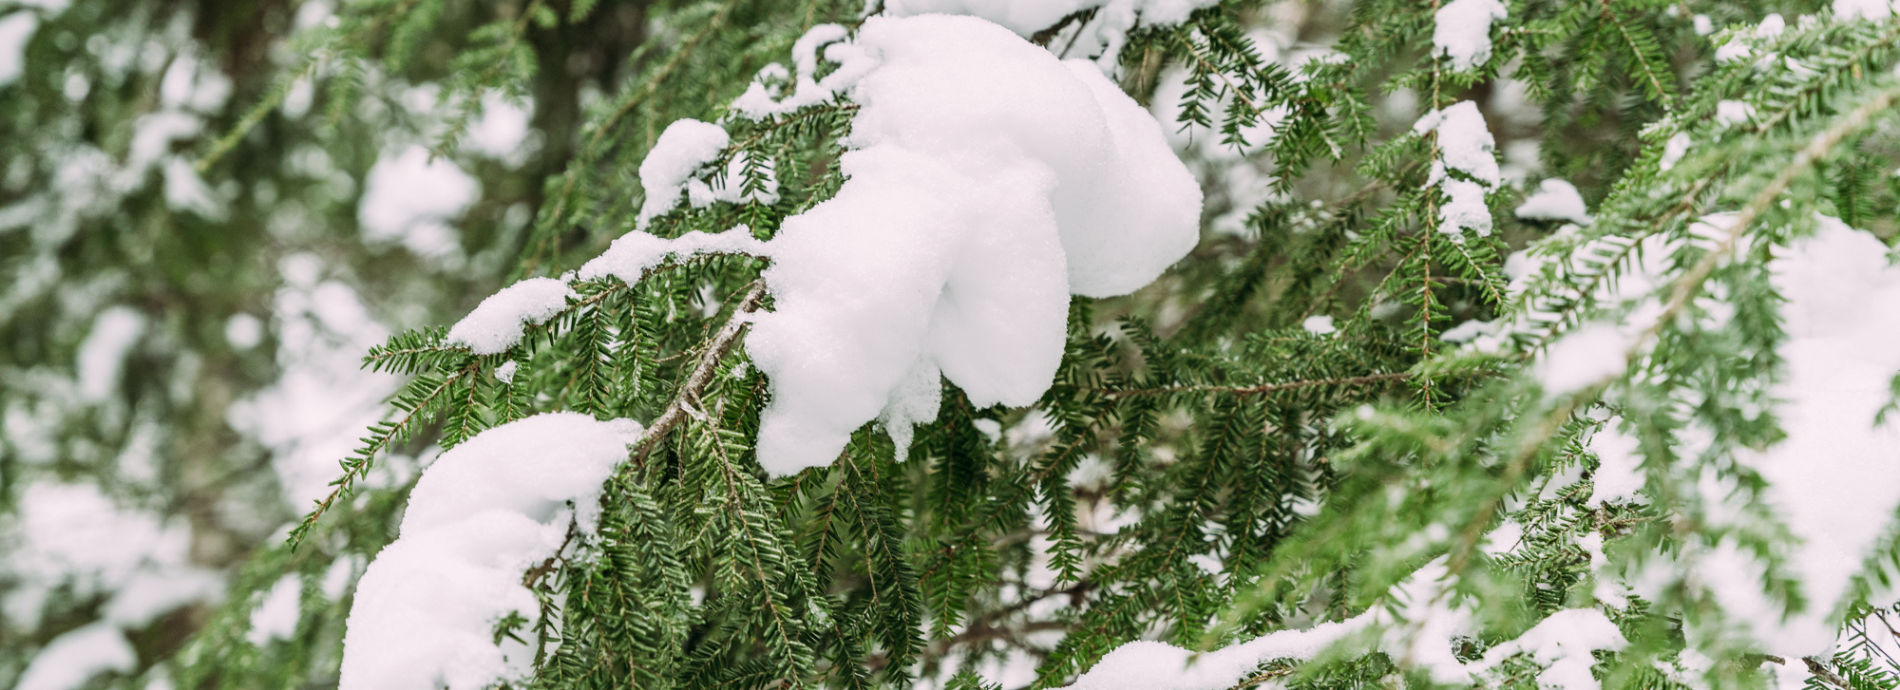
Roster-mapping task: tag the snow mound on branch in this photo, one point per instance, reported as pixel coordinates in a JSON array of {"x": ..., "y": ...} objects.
[
  {"x": 482, "y": 514},
  {"x": 75, "y": 657},
  {"x": 1461, "y": 31},
  {"x": 685, "y": 147},
  {"x": 498, "y": 322},
  {"x": 1835, "y": 479},
  {"x": 987, "y": 181},
  {"x": 1555, "y": 200},
  {"x": 1465, "y": 145}
]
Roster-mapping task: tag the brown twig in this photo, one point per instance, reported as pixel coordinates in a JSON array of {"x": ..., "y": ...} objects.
[{"x": 686, "y": 401}]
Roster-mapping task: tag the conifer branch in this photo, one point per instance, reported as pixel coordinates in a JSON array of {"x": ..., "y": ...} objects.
[{"x": 687, "y": 398}]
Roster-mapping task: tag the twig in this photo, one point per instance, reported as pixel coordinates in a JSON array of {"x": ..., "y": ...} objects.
[{"x": 686, "y": 401}]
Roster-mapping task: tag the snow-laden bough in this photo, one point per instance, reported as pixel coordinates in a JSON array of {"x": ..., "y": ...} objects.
[
  {"x": 987, "y": 181},
  {"x": 482, "y": 513}
]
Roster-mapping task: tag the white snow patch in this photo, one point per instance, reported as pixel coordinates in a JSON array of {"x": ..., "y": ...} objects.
[
  {"x": 275, "y": 618},
  {"x": 501, "y": 130},
  {"x": 1673, "y": 151},
  {"x": 15, "y": 30},
  {"x": 102, "y": 354},
  {"x": 1872, "y": 10},
  {"x": 1464, "y": 145},
  {"x": 1555, "y": 200},
  {"x": 1321, "y": 324},
  {"x": 1147, "y": 665},
  {"x": 1100, "y": 38},
  {"x": 1703, "y": 25},
  {"x": 1733, "y": 113},
  {"x": 685, "y": 147},
  {"x": 987, "y": 181},
  {"x": 483, "y": 513},
  {"x": 412, "y": 199},
  {"x": 75, "y": 657},
  {"x": 1619, "y": 473},
  {"x": 1462, "y": 31},
  {"x": 1584, "y": 357},
  {"x": 1835, "y": 479},
  {"x": 323, "y": 400},
  {"x": 1563, "y": 643},
  {"x": 634, "y": 253},
  {"x": 497, "y": 323}
]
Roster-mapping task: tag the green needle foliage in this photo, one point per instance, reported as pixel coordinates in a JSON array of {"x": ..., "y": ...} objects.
[{"x": 1206, "y": 468}]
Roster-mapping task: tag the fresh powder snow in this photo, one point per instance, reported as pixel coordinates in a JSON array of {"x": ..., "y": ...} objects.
[
  {"x": 485, "y": 511},
  {"x": 1465, "y": 145},
  {"x": 498, "y": 322},
  {"x": 987, "y": 181},
  {"x": 275, "y": 617},
  {"x": 1555, "y": 200},
  {"x": 1461, "y": 31},
  {"x": 684, "y": 148},
  {"x": 412, "y": 197},
  {"x": 1100, "y": 36},
  {"x": 1840, "y": 355},
  {"x": 75, "y": 657}
]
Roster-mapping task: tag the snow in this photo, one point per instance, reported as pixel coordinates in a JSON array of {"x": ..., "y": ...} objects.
[
  {"x": 1101, "y": 38},
  {"x": 1463, "y": 144},
  {"x": 685, "y": 147},
  {"x": 481, "y": 514},
  {"x": 243, "y": 331},
  {"x": 15, "y": 30},
  {"x": 1462, "y": 31},
  {"x": 323, "y": 399},
  {"x": 634, "y": 253},
  {"x": 153, "y": 593},
  {"x": 275, "y": 618},
  {"x": 498, "y": 322},
  {"x": 1703, "y": 25},
  {"x": 75, "y": 657},
  {"x": 412, "y": 199},
  {"x": 1420, "y": 636},
  {"x": 1586, "y": 356},
  {"x": 1619, "y": 474},
  {"x": 987, "y": 181},
  {"x": 506, "y": 372},
  {"x": 1835, "y": 479},
  {"x": 1673, "y": 151},
  {"x": 1147, "y": 665},
  {"x": 1872, "y": 10},
  {"x": 1555, "y": 200},
  {"x": 101, "y": 357},
  {"x": 1731, "y": 113},
  {"x": 1734, "y": 49},
  {"x": 1563, "y": 643},
  {"x": 1318, "y": 325},
  {"x": 501, "y": 129},
  {"x": 339, "y": 576}
]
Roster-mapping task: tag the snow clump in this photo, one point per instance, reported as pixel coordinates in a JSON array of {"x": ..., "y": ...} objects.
[
  {"x": 1555, "y": 200},
  {"x": 1462, "y": 31},
  {"x": 987, "y": 181},
  {"x": 685, "y": 147},
  {"x": 497, "y": 323},
  {"x": 483, "y": 513},
  {"x": 1465, "y": 145}
]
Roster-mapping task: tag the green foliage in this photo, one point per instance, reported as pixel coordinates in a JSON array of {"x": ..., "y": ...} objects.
[{"x": 1205, "y": 469}]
